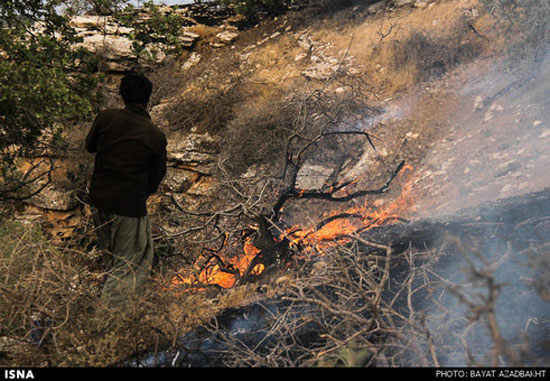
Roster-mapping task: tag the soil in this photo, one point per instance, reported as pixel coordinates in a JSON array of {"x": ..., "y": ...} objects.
[
  {"x": 473, "y": 134},
  {"x": 478, "y": 134}
]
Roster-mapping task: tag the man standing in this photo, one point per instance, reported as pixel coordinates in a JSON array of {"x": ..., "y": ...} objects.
[{"x": 130, "y": 163}]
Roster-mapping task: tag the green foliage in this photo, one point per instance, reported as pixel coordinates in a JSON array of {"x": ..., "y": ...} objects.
[
  {"x": 95, "y": 7},
  {"x": 249, "y": 7},
  {"x": 46, "y": 83},
  {"x": 156, "y": 27}
]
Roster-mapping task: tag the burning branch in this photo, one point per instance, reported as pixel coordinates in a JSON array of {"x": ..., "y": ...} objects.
[
  {"x": 258, "y": 202},
  {"x": 330, "y": 194},
  {"x": 263, "y": 249}
]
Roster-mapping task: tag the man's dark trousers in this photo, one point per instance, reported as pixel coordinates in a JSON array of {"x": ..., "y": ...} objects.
[
  {"x": 128, "y": 249},
  {"x": 130, "y": 163}
]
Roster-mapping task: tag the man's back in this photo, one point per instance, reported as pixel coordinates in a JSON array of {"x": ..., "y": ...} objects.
[
  {"x": 129, "y": 165},
  {"x": 130, "y": 160}
]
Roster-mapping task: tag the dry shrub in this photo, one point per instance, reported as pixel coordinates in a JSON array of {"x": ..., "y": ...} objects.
[
  {"x": 211, "y": 93},
  {"x": 51, "y": 314},
  {"x": 257, "y": 135},
  {"x": 427, "y": 57},
  {"x": 527, "y": 24},
  {"x": 397, "y": 49},
  {"x": 209, "y": 110},
  {"x": 262, "y": 133},
  {"x": 420, "y": 57},
  {"x": 359, "y": 306}
]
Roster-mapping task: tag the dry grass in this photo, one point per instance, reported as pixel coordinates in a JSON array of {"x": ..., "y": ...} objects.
[
  {"x": 51, "y": 314},
  {"x": 440, "y": 32},
  {"x": 256, "y": 104},
  {"x": 430, "y": 314}
]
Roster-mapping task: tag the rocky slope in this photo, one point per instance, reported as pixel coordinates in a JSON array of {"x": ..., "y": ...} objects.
[{"x": 406, "y": 52}]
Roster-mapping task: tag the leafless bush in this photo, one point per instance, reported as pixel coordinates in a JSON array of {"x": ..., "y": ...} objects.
[
  {"x": 265, "y": 134},
  {"x": 51, "y": 314},
  {"x": 337, "y": 313},
  {"x": 364, "y": 304},
  {"x": 432, "y": 56},
  {"x": 259, "y": 143},
  {"x": 212, "y": 93}
]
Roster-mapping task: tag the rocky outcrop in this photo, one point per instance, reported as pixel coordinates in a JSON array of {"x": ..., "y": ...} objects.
[
  {"x": 193, "y": 151},
  {"x": 113, "y": 44},
  {"x": 193, "y": 156}
]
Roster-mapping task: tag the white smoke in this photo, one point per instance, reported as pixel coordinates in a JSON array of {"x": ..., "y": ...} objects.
[{"x": 496, "y": 149}]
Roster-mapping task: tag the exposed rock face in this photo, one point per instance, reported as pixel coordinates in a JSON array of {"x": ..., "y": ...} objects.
[
  {"x": 104, "y": 36},
  {"x": 180, "y": 180},
  {"x": 194, "y": 151},
  {"x": 51, "y": 178},
  {"x": 192, "y": 156},
  {"x": 116, "y": 51},
  {"x": 321, "y": 65},
  {"x": 225, "y": 38},
  {"x": 313, "y": 176}
]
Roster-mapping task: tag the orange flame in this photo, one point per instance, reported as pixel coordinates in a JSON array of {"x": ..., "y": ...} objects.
[
  {"x": 214, "y": 274},
  {"x": 307, "y": 240}
]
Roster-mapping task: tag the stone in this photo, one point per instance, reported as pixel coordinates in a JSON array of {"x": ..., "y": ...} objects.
[
  {"x": 158, "y": 113},
  {"x": 54, "y": 198},
  {"x": 478, "y": 103},
  {"x": 180, "y": 180},
  {"x": 227, "y": 37},
  {"x": 195, "y": 151},
  {"x": 402, "y": 3},
  {"x": 116, "y": 50},
  {"x": 190, "y": 34},
  {"x": 56, "y": 191},
  {"x": 193, "y": 60},
  {"x": 312, "y": 176},
  {"x": 376, "y": 7},
  {"x": 304, "y": 41},
  {"x": 321, "y": 71},
  {"x": 90, "y": 21},
  {"x": 188, "y": 39}
]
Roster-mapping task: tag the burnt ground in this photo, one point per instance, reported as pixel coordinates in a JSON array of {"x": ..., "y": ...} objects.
[
  {"x": 475, "y": 134},
  {"x": 483, "y": 134}
]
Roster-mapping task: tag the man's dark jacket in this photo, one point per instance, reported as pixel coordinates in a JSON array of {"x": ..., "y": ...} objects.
[{"x": 130, "y": 160}]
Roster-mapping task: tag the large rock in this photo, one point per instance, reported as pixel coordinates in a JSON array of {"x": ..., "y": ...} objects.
[
  {"x": 195, "y": 151},
  {"x": 54, "y": 190},
  {"x": 54, "y": 198},
  {"x": 180, "y": 180},
  {"x": 227, "y": 36},
  {"x": 115, "y": 50},
  {"x": 91, "y": 22},
  {"x": 313, "y": 176},
  {"x": 102, "y": 35}
]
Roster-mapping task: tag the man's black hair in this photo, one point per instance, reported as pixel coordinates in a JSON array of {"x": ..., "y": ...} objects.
[{"x": 136, "y": 88}]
